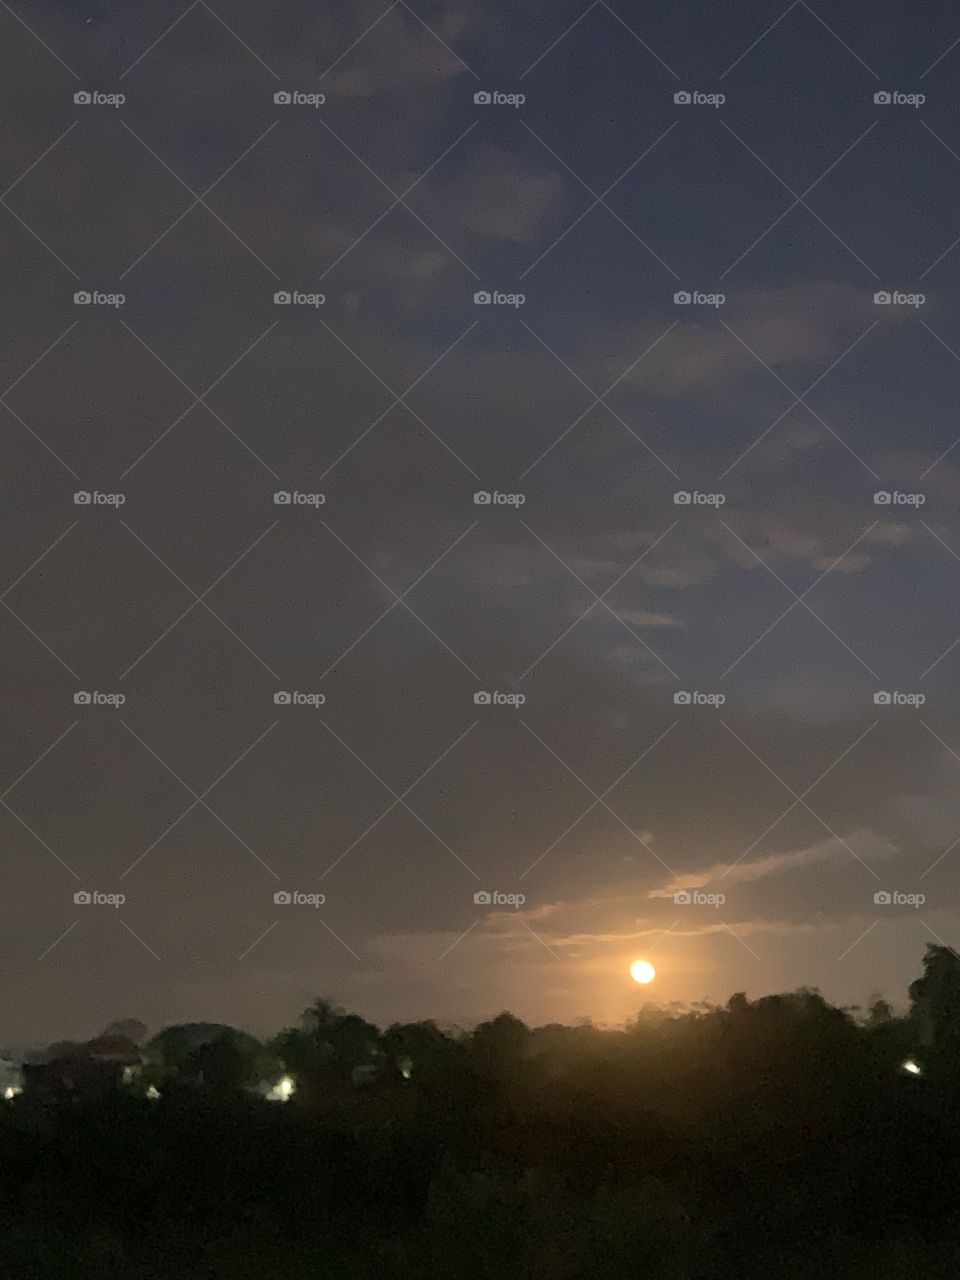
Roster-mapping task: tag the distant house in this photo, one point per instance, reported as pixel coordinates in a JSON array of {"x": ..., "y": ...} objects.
[{"x": 83, "y": 1068}]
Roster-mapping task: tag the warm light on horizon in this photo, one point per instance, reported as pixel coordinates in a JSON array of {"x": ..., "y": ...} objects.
[{"x": 642, "y": 971}]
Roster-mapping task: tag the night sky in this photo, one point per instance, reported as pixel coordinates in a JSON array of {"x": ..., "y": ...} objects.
[{"x": 783, "y": 397}]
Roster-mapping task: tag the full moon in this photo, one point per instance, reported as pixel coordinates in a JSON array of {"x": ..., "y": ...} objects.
[{"x": 642, "y": 971}]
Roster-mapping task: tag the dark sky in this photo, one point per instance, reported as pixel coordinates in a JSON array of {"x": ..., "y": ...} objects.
[{"x": 796, "y": 398}]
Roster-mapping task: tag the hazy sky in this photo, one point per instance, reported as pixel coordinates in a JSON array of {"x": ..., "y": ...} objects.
[{"x": 783, "y": 388}]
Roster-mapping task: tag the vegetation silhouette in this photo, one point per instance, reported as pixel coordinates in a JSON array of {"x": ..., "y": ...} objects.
[{"x": 778, "y": 1135}]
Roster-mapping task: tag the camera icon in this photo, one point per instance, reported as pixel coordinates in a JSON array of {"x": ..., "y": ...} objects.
[
  {"x": 882, "y": 898},
  {"x": 683, "y": 898},
  {"x": 681, "y": 498},
  {"x": 282, "y": 898},
  {"x": 482, "y": 98},
  {"x": 682, "y": 298},
  {"x": 82, "y": 898},
  {"x": 82, "y": 98},
  {"x": 81, "y": 498},
  {"x": 482, "y": 699},
  {"x": 482, "y": 498},
  {"x": 882, "y": 299},
  {"x": 882, "y": 698},
  {"x": 682, "y": 98},
  {"x": 82, "y": 298},
  {"x": 882, "y": 98},
  {"x": 881, "y": 498},
  {"x": 281, "y": 699},
  {"x": 482, "y": 898},
  {"x": 482, "y": 298},
  {"x": 282, "y": 98},
  {"x": 281, "y": 498},
  {"x": 81, "y": 698},
  {"x": 282, "y": 298},
  {"x": 681, "y": 698}
]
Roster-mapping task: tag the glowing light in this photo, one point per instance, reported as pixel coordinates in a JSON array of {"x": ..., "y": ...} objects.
[
  {"x": 11, "y": 1091},
  {"x": 913, "y": 1067},
  {"x": 283, "y": 1090},
  {"x": 642, "y": 971},
  {"x": 153, "y": 1092}
]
